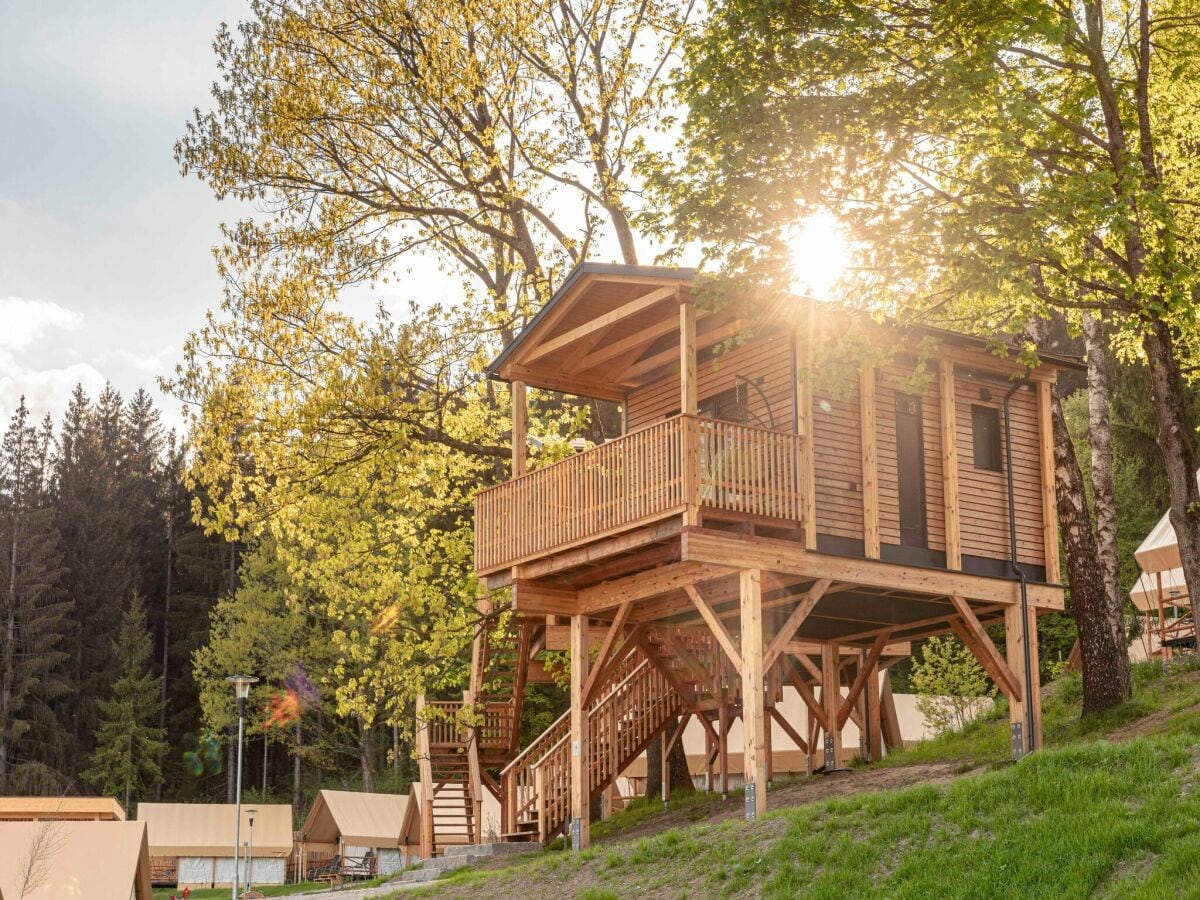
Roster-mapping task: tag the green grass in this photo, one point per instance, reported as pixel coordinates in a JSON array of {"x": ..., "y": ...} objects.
[{"x": 1086, "y": 817}]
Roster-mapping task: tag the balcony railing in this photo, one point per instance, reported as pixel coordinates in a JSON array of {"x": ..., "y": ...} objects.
[{"x": 653, "y": 473}]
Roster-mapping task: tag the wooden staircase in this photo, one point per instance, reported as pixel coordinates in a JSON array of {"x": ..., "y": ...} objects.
[
  {"x": 637, "y": 704},
  {"x": 458, "y": 740}
]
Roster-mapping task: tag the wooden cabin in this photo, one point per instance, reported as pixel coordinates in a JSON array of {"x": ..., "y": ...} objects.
[{"x": 794, "y": 496}]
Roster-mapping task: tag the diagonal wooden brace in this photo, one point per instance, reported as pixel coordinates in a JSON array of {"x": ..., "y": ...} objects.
[
  {"x": 972, "y": 633},
  {"x": 715, "y": 625},
  {"x": 795, "y": 620},
  {"x": 864, "y": 672}
]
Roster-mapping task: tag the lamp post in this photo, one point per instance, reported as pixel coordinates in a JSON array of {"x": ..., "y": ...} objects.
[
  {"x": 250, "y": 851},
  {"x": 241, "y": 690}
]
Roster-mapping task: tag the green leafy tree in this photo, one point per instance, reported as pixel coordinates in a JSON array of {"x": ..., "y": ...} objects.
[
  {"x": 998, "y": 164},
  {"x": 951, "y": 687},
  {"x": 130, "y": 744}
]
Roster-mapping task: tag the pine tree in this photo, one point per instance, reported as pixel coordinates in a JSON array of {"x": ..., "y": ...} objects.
[
  {"x": 31, "y": 614},
  {"x": 129, "y": 741}
]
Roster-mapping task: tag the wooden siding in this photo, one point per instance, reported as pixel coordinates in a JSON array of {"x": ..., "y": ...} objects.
[
  {"x": 893, "y": 379},
  {"x": 838, "y": 460},
  {"x": 768, "y": 358},
  {"x": 983, "y": 494}
]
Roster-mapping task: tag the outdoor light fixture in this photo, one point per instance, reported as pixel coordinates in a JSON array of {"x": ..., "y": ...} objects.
[
  {"x": 578, "y": 444},
  {"x": 241, "y": 691}
]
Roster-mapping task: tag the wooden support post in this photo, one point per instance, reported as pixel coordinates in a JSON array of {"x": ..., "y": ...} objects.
[
  {"x": 870, "y": 462},
  {"x": 425, "y": 769},
  {"x": 754, "y": 752},
  {"x": 723, "y": 744},
  {"x": 580, "y": 824},
  {"x": 949, "y": 438},
  {"x": 831, "y": 698},
  {"x": 474, "y": 772},
  {"x": 519, "y": 427},
  {"x": 1024, "y": 738},
  {"x": 804, "y": 428},
  {"x": 1049, "y": 499}
]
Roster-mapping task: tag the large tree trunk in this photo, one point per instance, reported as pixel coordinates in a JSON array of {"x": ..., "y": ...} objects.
[
  {"x": 1176, "y": 441},
  {"x": 366, "y": 757},
  {"x": 681, "y": 779},
  {"x": 1100, "y": 439},
  {"x": 1101, "y": 633}
]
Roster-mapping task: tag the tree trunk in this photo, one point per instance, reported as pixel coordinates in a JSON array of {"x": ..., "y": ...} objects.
[
  {"x": 1101, "y": 635},
  {"x": 1100, "y": 439},
  {"x": 681, "y": 779},
  {"x": 296, "y": 768},
  {"x": 1175, "y": 440},
  {"x": 366, "y": 756}
]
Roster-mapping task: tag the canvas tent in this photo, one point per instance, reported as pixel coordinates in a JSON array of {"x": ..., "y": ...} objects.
[
  {"x": 353, "y": 824},
  {"x": 198, "y": 837},
  {"x": 62, "y": 809},
  {"x": 77, "y": 859}
]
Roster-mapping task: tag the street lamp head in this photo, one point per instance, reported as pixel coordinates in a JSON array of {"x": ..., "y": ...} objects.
[
  {"x": 241, "y": 685},
  {"x": 250, "y": 816}
]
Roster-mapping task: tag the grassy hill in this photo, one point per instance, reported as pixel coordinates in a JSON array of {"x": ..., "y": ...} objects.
[{"x": 1110, "y": 809}]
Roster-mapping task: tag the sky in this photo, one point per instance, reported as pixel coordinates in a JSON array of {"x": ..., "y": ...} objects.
[{"x": 105, "y": 250}]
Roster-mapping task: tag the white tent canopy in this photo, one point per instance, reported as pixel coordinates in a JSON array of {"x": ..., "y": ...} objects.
[
  {"x": 1159, "y": 552},
  {"x": 1145, "y": 592}
]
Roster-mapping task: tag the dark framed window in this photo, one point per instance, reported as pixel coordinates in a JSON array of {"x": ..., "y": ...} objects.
[
  {"x": 985, "y": 433},
  {"x": 910, "y": 471}
]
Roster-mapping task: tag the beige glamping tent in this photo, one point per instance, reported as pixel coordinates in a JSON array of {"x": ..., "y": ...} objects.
[
  {"x": 74, "y": 859},
  {"x": 364, "y": 829},
  {"x": 61, "y": 809},
  {"x": 198, "y": 839}
]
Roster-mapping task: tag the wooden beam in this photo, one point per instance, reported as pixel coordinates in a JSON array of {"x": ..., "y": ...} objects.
[
  {"x": 606, "y": 646},
  {"x": 580, "y": 750},
  {"x": 651, "y": 364},
  {"x": 889, "y": 721},
  {"x": 791, "y": 732},
  {"x": 795, "y": 620},
  {"x": 947, "y": 415},
  {"x": 831, "y": 698},
  {"x": 565, "y": 384},
  {"x": 519, "y": 418},
  {"x": 532, "y": 598},
  {"x": 981, "y": 645},
  {"x": 600, "y": 323},
  {"x": 864, "y": 670},
  {"x": 633, "y": 344},
  {"x": 870, "y": 461},
  {"x": 1049, "y": 497},
  {"x": 645, "y": 585},
  {"x": 769, "y": 554},
  {"x": 1018, "y": 711},
  {"x": 754, "y": 752},
  {"x": 622, "y": 543},
  {"x": 675, "y": 735},
  {"x": 806, "y": 694},
  {"x": 687, "y": 355},
  {"x": 716, "y": 626}
]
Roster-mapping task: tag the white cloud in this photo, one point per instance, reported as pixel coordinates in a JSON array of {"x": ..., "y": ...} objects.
[
  {"x": 46, "y": 390},
  {"x": 22, "y": 322}
]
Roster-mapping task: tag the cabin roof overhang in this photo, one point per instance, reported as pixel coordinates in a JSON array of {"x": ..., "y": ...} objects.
[{"x": 609, "y": 329}]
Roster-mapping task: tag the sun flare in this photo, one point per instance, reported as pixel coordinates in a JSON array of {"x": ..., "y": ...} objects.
[{"x": 819, "y": 254}]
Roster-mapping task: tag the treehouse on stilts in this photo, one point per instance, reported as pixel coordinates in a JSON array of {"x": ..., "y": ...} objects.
[{"x": 758, "y": 523}]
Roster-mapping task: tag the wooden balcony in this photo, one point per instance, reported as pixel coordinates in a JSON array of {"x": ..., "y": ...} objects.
[{"x": 665, "y": 469}]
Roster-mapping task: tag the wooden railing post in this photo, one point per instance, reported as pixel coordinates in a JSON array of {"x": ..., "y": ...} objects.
[
  {"x": 425, "y": 769},
  {"x": 476, "y": 782},
  {"x": 539, "y": 787}
]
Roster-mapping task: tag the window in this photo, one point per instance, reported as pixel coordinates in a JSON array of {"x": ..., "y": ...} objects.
[
  {"x": 985, "y": 431},
  {"x": 910, "y": 471}
]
